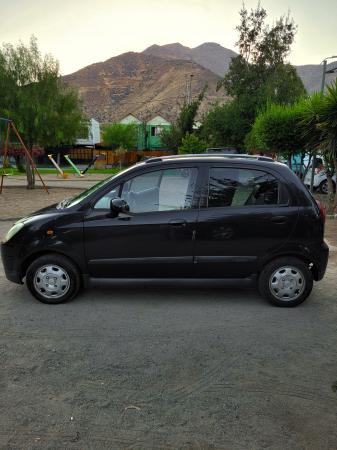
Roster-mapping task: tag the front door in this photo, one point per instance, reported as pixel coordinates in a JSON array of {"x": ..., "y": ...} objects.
[
  {"x": 156, "y": 237},
  {"x": 246, "y": 215}
]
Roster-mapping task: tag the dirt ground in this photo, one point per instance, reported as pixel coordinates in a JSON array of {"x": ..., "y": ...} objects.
[
  {"x": 17, "y": 202},
  {"x": 165, "y": 368}
]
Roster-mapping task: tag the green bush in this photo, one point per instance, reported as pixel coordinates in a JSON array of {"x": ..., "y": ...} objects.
[
  {"x": 192, "y": 144},
  {"x": 118, "y": 135}
]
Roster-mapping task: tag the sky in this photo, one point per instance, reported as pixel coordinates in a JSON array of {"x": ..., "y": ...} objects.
[{"x": 82, "y": 32}]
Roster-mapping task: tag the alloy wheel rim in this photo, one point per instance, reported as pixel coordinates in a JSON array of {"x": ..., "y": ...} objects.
[
  {"x": 287, "y": 283},
  {"x": 51, "y": 281}
]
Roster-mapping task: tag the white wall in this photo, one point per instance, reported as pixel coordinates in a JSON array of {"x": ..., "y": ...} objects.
[{"x": 94, "y": 134}]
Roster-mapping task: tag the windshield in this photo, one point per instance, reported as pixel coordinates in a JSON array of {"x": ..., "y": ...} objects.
[{"x": 72, "y": 201}]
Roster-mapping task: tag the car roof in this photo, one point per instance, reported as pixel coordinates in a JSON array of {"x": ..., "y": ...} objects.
[{"x": 208, "y": 157}]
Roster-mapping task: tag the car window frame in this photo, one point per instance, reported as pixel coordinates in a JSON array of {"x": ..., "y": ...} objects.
[
  {"x": 120, "y": 182},
  {"x": 284, "y": 193}
]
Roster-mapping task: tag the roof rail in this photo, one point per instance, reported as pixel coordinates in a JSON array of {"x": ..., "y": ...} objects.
[{"x": 205, "y": 155}]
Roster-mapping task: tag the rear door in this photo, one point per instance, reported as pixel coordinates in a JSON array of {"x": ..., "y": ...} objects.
[{"x": 245, "y": 215}]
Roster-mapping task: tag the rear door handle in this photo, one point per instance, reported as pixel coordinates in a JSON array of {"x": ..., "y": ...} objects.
[
  {"x": 279, "y": 219},
  {"x": 177, "y": 223}
]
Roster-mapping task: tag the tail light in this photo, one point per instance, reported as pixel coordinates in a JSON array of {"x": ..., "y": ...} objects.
[{"x": 322, "y": 210}]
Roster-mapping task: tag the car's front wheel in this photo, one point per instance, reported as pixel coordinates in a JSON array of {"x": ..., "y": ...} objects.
[
  {"x": 53, "y": 279},
  {"x": 286, "y": 281}
]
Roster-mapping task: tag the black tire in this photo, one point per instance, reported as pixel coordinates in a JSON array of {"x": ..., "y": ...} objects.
[
  {"x": 300, "y": 289},
  {"x": 63, "y": 268},
  {"x": 323, "y": 187}
]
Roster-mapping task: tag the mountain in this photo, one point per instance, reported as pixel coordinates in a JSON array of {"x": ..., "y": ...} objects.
[
  {"x": 210, "y": 55},
  {"x": 311, "y": 75},
  {"x": 142, "y": 84},
  {"x": 155, "y": 81},
  {"x": 217, "y": 59}
]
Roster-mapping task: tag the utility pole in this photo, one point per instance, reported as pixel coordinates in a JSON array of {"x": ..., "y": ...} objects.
[
  {"x": 313, "y": 166},
  {"x": 189, "y": 98}
]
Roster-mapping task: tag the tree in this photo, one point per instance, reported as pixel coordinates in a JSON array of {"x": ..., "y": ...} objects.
[
  {"x": 225, "y": 125},
  {"x": 259, "y": 74},
  {"x": 277, "y": 130},
  {"x": 328, "y": 126},
  {"x": 172, "y": 138},
  {"x": 45, "y": 110},
  {"x": 119, "y": 135},
  {"x": 192, "y": 144}
]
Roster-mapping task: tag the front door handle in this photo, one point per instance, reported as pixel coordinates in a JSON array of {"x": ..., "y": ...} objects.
[
  {"x": 177, "y": 223},
  {"x": 279, "y": 219}
]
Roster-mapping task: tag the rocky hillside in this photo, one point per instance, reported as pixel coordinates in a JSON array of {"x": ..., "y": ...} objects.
[
  {"x": 155, "y": 81},
  {"x": 210, "y": 55},
  {"x": 141, "y": 84},
  {"x": 311, "y": 75},
  {"x": 217, "y": 59}
]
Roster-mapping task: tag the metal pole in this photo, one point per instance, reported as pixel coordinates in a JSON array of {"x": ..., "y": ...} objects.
[
  {"x": 314, "y": 152},
  {"x": 323, "y": 76},
  {"x": 5, "y": 156},
  {"x": 73, "y": 165},
  {"x": 29, "y": 156}
]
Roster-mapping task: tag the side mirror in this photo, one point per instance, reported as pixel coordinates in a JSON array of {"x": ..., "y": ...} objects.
[{"x": 117, "y": 206}]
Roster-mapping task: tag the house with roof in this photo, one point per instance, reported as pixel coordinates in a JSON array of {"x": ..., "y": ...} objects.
[{"x": 148, "y": 132}]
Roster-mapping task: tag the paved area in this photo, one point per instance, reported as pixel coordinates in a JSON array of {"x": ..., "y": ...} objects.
[
  {"x": 167, "y": 368},
  {"x": 53, "y": 181}
]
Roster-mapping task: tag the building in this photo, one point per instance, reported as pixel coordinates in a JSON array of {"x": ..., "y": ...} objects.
[
  {"x": 148, "y": 132},
  {"x": 93, "y": 137}
]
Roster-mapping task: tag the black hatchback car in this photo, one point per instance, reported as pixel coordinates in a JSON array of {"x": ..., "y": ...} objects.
[{"x": 181, "y": 217}]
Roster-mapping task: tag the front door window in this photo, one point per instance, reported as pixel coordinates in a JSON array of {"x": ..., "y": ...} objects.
[{"x": 161, "y": 190}]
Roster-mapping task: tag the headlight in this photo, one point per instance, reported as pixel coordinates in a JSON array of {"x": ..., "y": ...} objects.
[{"x": 13, "y": 230}]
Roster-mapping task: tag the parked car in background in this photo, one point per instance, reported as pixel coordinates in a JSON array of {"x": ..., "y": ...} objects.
[
  {"x": 320, "y": 180},
  {"x": 222, "y": 150},
  {"x": 177, "y": 218}
]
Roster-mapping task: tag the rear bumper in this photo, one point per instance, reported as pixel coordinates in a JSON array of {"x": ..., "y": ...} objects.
[
  {"x": 11, "y": 264},
  {"x": 321, "y": 257}
]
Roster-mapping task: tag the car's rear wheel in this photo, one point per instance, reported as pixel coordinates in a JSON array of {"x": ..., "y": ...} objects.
[
  {"x": 323, "y": 187},
  {"x": 53, "y": 279},
  {"x": 286, "y": 281}
]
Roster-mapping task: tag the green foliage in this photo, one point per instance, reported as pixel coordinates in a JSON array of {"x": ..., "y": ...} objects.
[
  {"x": 118, "y": 135},
  {"x": 192, "y": 144},
  {"x": 172, "y": 138},
  {"x": 328, "y": 119},
  {"x": 260, "y": 75},
  {"x": 261, "y": 44},
  {"x": 225, "y": 125},
  {"x": 277, "y": 130},
  {"x": 45, "y": 111},
  {"x": 311, "y": 108}
]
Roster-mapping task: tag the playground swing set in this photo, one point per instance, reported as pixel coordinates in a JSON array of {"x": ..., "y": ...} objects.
[
  {"x": 6, "y": 170},
  {"x": 10, "y": 127}
]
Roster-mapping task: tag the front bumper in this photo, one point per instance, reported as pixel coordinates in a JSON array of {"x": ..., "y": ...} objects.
[{"x": 11, "y": 263}]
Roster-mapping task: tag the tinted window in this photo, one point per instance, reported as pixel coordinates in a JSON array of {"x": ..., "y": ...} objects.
[
  {"x": 104, "y": 202},
  {"x": 162, "y": 190},
  {"x": 240, "y": 187}
]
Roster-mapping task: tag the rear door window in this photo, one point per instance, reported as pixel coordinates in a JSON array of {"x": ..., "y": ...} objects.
[{"x": 242, "y": 187}]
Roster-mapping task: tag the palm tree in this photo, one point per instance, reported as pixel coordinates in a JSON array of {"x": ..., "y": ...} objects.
[{"x": 328, "y": 127}]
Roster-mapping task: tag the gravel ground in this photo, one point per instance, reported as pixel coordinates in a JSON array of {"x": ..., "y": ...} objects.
[{"x": 173, "y": 368}]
